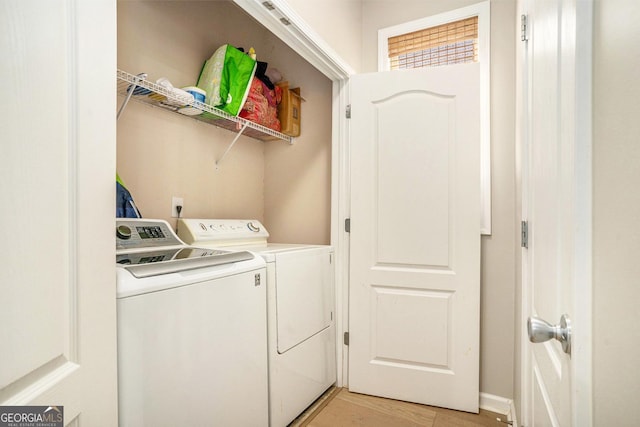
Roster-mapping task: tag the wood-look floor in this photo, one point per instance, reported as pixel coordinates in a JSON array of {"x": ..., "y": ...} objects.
[{"x": 341, "y": 408}]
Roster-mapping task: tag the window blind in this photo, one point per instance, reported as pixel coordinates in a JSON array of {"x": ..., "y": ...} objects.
[{"x": 451, "y": 43}]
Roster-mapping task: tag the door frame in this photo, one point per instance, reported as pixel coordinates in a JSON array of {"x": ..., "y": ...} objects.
[{"x": 582, "y": 385}]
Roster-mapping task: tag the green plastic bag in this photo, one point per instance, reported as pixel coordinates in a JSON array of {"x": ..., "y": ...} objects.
[{"x": 226, "y": 77}]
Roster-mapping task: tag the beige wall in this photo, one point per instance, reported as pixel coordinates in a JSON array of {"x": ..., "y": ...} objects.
[
  {"x": 498, "y": 250},
  {"x": 161, "y": 154},
  {"x": 616, "y": 210},
  {"x": 297, "y": 182},
  {"x": 338, "y": 22}
]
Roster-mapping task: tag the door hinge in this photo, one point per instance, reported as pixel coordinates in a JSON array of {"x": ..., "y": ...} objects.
[
  {"x": 523, "y": 28},
  {"x": 345, "y": 338},
  {"x": 524, "y": 234},
  {"x": 347, "y": 225},
  {"x": 348, "y": 112}
]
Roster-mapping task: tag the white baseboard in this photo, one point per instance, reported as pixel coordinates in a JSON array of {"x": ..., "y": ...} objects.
[{"x": 499, "y": 405}]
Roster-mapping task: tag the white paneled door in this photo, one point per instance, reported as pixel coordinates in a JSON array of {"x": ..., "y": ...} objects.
[
  {"x": 57, "y": 281},
  {"x": 415, "y": 236},
  {"x": 555, "y": 69}
]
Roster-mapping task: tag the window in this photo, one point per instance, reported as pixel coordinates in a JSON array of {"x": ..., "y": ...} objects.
[
  {"x": 452, "y": 43},
  {"x": 454, "y": 37}
]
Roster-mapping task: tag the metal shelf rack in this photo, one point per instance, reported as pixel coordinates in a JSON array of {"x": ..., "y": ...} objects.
[{"x": 134, "y": 87}]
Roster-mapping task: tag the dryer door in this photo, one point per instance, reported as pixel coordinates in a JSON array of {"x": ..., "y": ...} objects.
[{"x": 304, "y": 295}]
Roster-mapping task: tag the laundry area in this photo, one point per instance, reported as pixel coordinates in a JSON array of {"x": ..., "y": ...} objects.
[
  {"x": 224, "y": 183},
  {"x": 161, "y": 155},
  {"x": 265, "y": 363}
]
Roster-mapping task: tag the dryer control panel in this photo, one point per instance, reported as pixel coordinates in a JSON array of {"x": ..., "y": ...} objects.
[
  {"x": 144, "y": 233},
  {"x": 222, "y": 231}
]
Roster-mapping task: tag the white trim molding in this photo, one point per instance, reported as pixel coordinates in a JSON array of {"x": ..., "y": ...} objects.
[
  {"x": 340, "y": 210},
  {"x": 582, "y": 359},
  {"x": 279, "y": 18},
  {"x": 499, "y": 405},
  {"x": 483, "y": 12}
]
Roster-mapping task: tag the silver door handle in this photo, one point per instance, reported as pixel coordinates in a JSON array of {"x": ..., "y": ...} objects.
[{"x": 540, "y": 331}]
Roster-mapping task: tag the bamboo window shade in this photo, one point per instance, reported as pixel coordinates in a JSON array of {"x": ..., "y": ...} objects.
[{"x": 451, "y": 43}]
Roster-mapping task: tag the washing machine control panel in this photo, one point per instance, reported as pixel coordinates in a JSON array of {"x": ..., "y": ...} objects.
[
  {"x": 142, "y": 233},
  {"x": 194, "y": 231}
]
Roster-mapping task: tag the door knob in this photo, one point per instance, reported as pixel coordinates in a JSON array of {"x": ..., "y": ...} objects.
[{"x": 540, "y": 331}]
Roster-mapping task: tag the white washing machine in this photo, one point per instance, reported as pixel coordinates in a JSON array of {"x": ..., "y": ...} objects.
[
  {"x": 192, "y": 340},
  {"x": 300, "y": 308}
]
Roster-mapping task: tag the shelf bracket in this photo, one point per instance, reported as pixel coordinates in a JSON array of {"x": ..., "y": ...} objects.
[
  {"x": 238, "y": 135},
  {"x": 132, "y": 88}
]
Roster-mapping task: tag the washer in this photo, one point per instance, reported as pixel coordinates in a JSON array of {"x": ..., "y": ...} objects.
[
  {"x": 300, "y": 310},
  {"x": 191, "y": 331}
]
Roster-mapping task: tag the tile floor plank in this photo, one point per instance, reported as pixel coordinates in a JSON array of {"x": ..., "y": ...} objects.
[
  {"x": 423, "y": 415},
  {"x": 341, "y": 413},
  {"x": 341, "y": 408}
]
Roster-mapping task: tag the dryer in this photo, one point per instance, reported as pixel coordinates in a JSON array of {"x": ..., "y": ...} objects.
[
  {"x": 300, "y": 310},
  {"x": 192, "y": 341}
]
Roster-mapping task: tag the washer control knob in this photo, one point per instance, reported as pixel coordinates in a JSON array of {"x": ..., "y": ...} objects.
[
  {"x": 123, "y": 232},
  {"x": 251, "y": 226}
]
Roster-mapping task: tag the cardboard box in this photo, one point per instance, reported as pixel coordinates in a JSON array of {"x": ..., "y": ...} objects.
[{"x": 289, "y": 111}]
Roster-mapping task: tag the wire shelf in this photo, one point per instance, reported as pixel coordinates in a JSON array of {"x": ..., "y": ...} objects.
[{"x": 158, "y": 96}]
